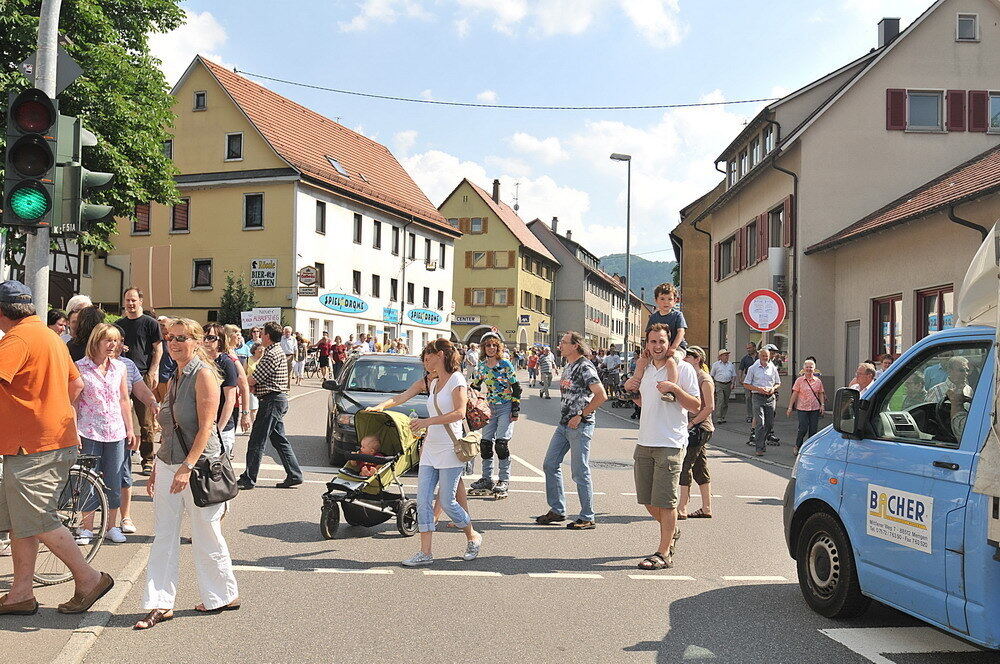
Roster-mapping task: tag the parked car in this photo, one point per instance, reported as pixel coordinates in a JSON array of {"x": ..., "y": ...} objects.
[{"x": 367, "y": 380}]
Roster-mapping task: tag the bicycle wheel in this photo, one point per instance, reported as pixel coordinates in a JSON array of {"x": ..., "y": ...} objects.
[{"x": 82, "y": 495}]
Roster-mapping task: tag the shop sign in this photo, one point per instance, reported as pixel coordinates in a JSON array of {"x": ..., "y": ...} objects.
[
  {"x": 264, "y": 272},
  {"x": 308, "y": 276},
  {"x": 524, "y": 319},
  {"x": 348, "y": 304},
  {"x": 466, "y": 320},
  {"x": 390, "y": 315},
  {"x": 258, "y": 316},
  {"x": 543, "y": 326},
  {"x": 308, "y": 291},
  {"x": 424, "y": 316}
]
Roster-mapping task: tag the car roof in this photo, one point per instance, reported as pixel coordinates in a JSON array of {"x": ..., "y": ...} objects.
[{"x": 391, "y": 357}]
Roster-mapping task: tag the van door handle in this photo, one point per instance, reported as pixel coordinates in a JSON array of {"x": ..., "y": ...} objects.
[{"x": 947, "y": 465}]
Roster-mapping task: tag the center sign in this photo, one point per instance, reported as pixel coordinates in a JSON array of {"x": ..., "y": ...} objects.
[{"x": 763, "y": 310}]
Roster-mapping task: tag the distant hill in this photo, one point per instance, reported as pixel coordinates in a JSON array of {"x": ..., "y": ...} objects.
[{"x": 645, "y": 273}]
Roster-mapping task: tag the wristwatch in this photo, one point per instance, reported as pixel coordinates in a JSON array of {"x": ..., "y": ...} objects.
[
  {"x": 244, "y": 412},
  {"x": 189, "y": 466}
]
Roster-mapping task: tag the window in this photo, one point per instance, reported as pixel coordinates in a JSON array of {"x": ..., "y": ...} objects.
[
  {"x": 768, "y": 139},
  {"x": 395, "y": 240},
  {"x": 314, "y": 329},
  {"x": 726, "y": 263},
  {"x": 723, "y": 333},
  {"x": 427, "y": 250},
  {"x": 85, "y": 266},
  {"x": 887, "y": 326},
  {"x": 547, "y": 306},
  {"x": 411, "y": 250},
  {"x": 754, "y": 152},
  {"x": 140, "y": 219},
  {"x": 202, "y": 276},
  {"x": 501, "y": 259},
  {"x": 321, "y": 217},
  {"x": 751, "y": 244},
  {"x": 234, "y": 146},
  {"x": 338, "y": 166},
  {"x": 935, "y": 310},
  {"x": 253, "y": 211},
  {"x": 500, "y": 297},
  {"x": 440, "y": 300},
  {"x": 924, "y": 111},
  {"x": 478, "y": 259},
  {"x": 320, "y": 275},
  {"x": 356, "y": 283},
  {"x": 967, "y": 27},
  {"x": 916, "y": 407},
  {"x": 776, "y": 222},
  {"x": 376, "y": 285},
  {"x": 200, "y": 100},
  {"x": 479, "y": 296},
  {"x": 442, "y": 252},
  {"x": 994, "y": 111},
  {"x": 179, "y": 217},
  {"x": 376, "y": 234},
  {"x": 409, "y": 292},
  {"x": 526, "y": 300},
  {"x": 427, "y": 297},
  {"x": 168, "y": 149},
  {"x": 744, "y": 163},
  {"x": 476, "y": 225},
  {"x": 357, "y": 229},
  {"x": 394, "y": 290},
  {"x": 538, "y": 303},
  {"x": 733, "y": 176}
]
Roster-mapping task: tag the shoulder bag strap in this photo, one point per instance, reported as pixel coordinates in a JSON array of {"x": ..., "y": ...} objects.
[
  {"x": 172, "y": 393},
  {"x": 818, "y": 400}
]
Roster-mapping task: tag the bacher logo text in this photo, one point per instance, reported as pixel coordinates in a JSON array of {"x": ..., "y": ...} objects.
[{"x": 901, "y": 517}]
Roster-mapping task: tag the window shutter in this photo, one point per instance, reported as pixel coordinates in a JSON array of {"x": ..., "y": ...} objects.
[
  {"x": 491, "y": 259},
  {"x": 788, "y": 231},
  {"x": 738, "y": 246},
  {"x": 463, "y": 224},
  {"x": 895, "y": 109},
  {"x": 510, "y": 297},
  {"x": 763, "y": 236},
  {"x": 486, "y": 226},
  {"x": 511, "y": 257},
  {"x": 979, "y": 101},
  {"x": 956, "y": 110},
  {"x": 718, "y": 260},
  {"x": 468, "y": 260},
  {"x": 468, "y": 297},
  {"x": 489, "y": 297}
]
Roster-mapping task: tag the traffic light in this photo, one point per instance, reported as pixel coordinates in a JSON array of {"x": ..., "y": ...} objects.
[
  {"x": 74, "y": 183},
  {"x": 30, "y": 165}
]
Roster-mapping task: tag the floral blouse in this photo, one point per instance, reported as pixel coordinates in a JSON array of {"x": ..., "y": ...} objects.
[{"x": 98, "y": 408}]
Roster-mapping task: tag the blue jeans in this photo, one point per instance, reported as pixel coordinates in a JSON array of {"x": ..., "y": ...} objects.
[
  {"x": 763, "y": 407},
  {"x": 577, "y": 443},
  {"x": 427, "y": 481},
  {"x": 109, "y": 466},
  {"x": 500, "y": 427},
  {"x": 270, "y": 425}
]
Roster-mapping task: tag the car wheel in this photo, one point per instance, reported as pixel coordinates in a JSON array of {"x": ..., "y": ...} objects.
[
  {"x": 329, "y": 520},
  {"x": 827, "y": 573},
  {"x": 406, "y": 520},
  {"x": 335, "y": 458}
]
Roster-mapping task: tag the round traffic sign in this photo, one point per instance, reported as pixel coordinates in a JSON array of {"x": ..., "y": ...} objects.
[{"x": 763, "y": 310}]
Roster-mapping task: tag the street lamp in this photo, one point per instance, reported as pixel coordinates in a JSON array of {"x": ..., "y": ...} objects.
[{"x": 627, "y": 158}]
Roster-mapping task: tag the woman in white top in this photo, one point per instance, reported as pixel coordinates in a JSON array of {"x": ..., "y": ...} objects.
[{"x": 438, "y": 461}]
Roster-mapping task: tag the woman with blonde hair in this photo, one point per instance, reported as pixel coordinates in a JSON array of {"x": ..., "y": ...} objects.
[
  {"x": 236, "y": 342},
  {"x": 189, "y": 419}
]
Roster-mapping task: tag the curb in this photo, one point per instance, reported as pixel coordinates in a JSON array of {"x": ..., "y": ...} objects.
[{"x": 94, "y": 621}]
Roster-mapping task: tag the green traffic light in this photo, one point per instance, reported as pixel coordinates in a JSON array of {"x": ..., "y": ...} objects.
[{"x": 29, "y": 202}]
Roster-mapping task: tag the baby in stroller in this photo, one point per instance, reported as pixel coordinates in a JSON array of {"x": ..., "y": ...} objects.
[{"x": 369, "y": 445}]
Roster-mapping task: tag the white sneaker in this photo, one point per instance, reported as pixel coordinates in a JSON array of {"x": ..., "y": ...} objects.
[
  {"x": 472, "y": 548},
  {"x": 115, "y": 535},
  {"x": 4, "y": 547},
  {"x": 418, "y": 559},
  {"x": 83, "y": 536},
  {"x": 127, "y": 526}
]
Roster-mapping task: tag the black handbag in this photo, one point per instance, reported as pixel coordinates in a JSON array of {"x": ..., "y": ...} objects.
[
  {"x": 696, "y": 436},
  {"x": 213, "y": 480}
]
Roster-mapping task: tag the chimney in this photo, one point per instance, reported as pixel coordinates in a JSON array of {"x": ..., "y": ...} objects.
[
  {"x": 555, "y": 225},
  {"x": 496, "y": 183},
  {"x": 888, "y": 29},
  {"x": 569, "y": 234}
]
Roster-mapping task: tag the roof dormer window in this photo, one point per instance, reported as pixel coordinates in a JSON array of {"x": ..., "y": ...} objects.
[
  {"x": 338, "y": 166},
  {"x": 967, "y": 28},
  {"x": 200, "y": 100}
]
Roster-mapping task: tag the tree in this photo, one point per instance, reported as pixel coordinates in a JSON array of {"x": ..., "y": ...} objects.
[
  {"x": 236, "y": 297},
  {"x": 121, "y": 97},
  {"x": 675, "y": 274}
]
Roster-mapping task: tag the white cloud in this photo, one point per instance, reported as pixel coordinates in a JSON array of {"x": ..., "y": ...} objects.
[
  {"x": 200, "y": 34},
  {"x": 404, "y": 141},
  {"x": 374, "y": 12},
  {"x": 437, "y": 173},
  {"x": 506, "y": 14},
  {"x": 779, "y": 91},
  {"x": 487, "y": 97},
  {"x": 656, "y": 20},
  {"x": 549, "y": 150},
  {"x": 426, "y": 94},
  {"x": 512, "y": 166},
  {"x": 462, "y": 27},
  {"x": 570, "y": 17}
]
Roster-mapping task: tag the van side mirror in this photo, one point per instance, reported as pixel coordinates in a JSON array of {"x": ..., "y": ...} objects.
[
  {"x": 331, "y": 385},
  {"x": 846, "y": 415}
]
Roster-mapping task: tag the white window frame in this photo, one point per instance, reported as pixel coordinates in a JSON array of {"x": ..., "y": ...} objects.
[
  {"x": 767, "y": 143},
  {"x": 194, "y": 274},
  {"x": 733, "y": 168},
  {"x": 204, "y": 96},
  {"x": 990, "y": 129},
  {"x": 244, "y": 220},
  {"x": 478, "y": 267},
  {"x": 472, "y": 225},
  {"x": 922, "y": 129},
  {"x": 958, "y": 20},
  {"x": 755, "y": 155},
  {"x": 226, "y": 146},
  {"x": 479, "y": 301},
  {"x": 744, "y": 162},
  {"x": 337, "y": 166}
]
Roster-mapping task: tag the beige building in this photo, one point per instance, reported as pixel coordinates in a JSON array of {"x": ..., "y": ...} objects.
[{"x": 836, "y": 151}]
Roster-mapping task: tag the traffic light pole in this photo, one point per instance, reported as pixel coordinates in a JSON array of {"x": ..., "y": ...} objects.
[{"x": 36, "y": 255}]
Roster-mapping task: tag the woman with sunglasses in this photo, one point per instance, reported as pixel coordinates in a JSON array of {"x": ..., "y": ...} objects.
[
  {"x": 217, "y": 349},
  {"x": 503, "y": 392},
  {"x": 192, "y": 406},
  {"x": 438, "y": 461}
]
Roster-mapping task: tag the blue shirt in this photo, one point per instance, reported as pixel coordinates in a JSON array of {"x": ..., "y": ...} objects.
[
  {"x": 167, "y": 367},
  {"x": 673, "y": 320}
]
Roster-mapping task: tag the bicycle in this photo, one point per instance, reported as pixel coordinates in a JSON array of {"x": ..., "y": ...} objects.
[
  {"x": 84, "y": 493},
  {"x": 312, "y": 364}
]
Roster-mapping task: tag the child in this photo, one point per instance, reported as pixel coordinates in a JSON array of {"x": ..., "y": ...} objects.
[
  {"x": 369, "y": 445},
  {"x": 666, "y": 298}
]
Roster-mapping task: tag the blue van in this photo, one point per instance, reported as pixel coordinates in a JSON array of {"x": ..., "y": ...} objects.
[{"x": 899, "y": 499}]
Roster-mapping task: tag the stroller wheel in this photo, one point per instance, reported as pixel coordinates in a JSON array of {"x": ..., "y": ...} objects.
[
  {"x": 329, "y": 519},
  {"x": 406, "y": 519}
]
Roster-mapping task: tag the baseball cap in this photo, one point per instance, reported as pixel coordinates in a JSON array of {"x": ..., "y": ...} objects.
[
  {"x": 770, "y": 347},
  {"x": 14, "y": 292}
]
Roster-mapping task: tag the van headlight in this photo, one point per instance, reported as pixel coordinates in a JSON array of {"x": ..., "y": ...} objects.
[{"x": 345, "y": 420}]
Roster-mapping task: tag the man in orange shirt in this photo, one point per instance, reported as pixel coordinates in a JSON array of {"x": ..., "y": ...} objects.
[{"x": 38, "y": 445}]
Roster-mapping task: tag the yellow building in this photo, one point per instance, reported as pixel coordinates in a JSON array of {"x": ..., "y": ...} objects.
[
  {"x": 503, "y": 274},
  {"x": 268, "y": 188}
]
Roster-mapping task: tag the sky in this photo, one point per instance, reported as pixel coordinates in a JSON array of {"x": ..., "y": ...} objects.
[{"x": 542, "y": 52}]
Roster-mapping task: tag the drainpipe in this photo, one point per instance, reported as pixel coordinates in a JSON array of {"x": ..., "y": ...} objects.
[
  {"x": 795, "y": 256},
  {"x": 402, "y": 283},
  {"x": 121, "y": 272},
  {"x": 965, "y": 222}
]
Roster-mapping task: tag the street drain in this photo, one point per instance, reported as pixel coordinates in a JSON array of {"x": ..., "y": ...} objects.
[{"x": 610, "y": 464}]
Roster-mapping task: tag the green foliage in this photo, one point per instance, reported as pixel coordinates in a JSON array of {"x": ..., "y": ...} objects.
[
  {"x": 121, "y": 97},
  {"x": 645, "y": 273},
  {"x": 111, "y": 319},
  {"x": 236, "y": 297}
]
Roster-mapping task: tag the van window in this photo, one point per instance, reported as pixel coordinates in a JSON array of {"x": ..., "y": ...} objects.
[{"x": 928, "y": 402}]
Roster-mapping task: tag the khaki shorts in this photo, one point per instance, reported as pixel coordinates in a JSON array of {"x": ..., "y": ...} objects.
[
  {"x": 30, "y": 485},
  {"x": 657, "y": 475}
]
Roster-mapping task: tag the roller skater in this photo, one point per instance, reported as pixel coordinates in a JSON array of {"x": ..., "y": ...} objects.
[{"x": 503, "y": 391}]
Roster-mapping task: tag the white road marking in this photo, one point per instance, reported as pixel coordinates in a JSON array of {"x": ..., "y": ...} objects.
[
  {"x": 323, "y": 470},
  {"x": 754, "y": 578},
  {"x": 759, "y": 497},
  {"x": 872, "y": 642},
  {"x": 337, "y": 570},
  {"x": 279, "y": 479},
  {"x": 257, "y": 568},
  {"x": 528, "y": 465},
  {"x": 661, "y": 577},
  {"x": 564, "y": 575},
  {"x": 305, "y": 394},
  {"x": 458, "y": 572}
]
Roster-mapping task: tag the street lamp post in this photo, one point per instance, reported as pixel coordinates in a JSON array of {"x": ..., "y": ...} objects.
[{"x": 627, "y": 158}]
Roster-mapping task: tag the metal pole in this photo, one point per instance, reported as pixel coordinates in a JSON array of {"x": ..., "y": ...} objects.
[
  {"x": 36, "y": 254},
  {"x": 628, "y": 253}
]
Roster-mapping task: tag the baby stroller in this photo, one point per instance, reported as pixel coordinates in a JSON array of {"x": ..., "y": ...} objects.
[{"x": 368, "y": 501}]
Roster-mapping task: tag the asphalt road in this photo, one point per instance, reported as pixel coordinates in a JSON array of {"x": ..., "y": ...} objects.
[{"x": 536, "y": 594}]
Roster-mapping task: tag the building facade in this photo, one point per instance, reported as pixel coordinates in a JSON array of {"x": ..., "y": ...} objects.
[
  {"x": 268, "y": 188},
  {"x": 503, "y": 276}
]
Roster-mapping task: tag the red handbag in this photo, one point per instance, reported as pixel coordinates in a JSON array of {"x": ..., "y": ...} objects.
[{"x": 477, "y": 410}]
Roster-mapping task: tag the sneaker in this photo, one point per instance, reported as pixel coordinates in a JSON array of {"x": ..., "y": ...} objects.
[
  {"x": 83, "y": 536},
  {"x": 472, "y": 549},
  {"x": 244, "y": 484},
  {"x": 115, "y": 535},
  {"x": 580, "y": 524},
  {"x": 147, "y": 469},
  {"x": 418, "y": 559},
  {"x": 4, "y": 547},
  {"x": 549, "y": 518},
  {"x": 127, "y": 526}
]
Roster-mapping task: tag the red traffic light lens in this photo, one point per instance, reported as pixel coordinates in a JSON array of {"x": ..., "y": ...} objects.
[
  {"x": 31, "y": 156},
  {"x": 33, "y": 115}
]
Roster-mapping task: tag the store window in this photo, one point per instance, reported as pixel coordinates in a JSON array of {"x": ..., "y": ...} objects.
[
  {"x": 887, "y": 326},
  {"x": 935, "y": 310}
]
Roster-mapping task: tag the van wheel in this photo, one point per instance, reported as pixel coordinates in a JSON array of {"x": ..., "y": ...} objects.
[{"x": 827, "y": 573}]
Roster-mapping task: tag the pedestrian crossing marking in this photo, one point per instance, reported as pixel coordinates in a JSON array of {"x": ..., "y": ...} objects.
[
  {"x": 458, "y": 572},
  {"x": 564, "y": 575},
  {"x": 754, "y": 578},
  {"x": 874, "y": 642},
  {"x": 256, "y": 568},
  {"x": 661, "y": 577},
  {"x": 338, "y": 570}
]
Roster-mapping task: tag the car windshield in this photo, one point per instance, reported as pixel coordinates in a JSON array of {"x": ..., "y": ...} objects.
[{"x": 382, "y": 376}]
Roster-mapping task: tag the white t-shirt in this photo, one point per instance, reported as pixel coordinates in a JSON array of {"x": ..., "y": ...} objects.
[
  {"x": 439, "y": 450},
  {"x": 663, "y": 423}
]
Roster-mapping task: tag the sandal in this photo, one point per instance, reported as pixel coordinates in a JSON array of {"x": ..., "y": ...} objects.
[
  {"x": 232, "y": 606},
  {"x": 681, "y": 517},
  {"x": 153, "y": 618},
  {"x": 700, "y": 514},
  {"x": 655, "y": 561}
]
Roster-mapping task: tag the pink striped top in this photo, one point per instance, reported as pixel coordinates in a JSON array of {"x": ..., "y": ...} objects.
[{"x": 98, "y": 409}]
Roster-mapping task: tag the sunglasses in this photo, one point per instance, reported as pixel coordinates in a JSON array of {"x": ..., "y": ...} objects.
[
  {"x": 180, "y": 338},
  {"x": 211, "y": 337}
]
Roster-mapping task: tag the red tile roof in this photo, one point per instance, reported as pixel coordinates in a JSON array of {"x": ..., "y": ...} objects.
[
  {"x": 975, "y": 178},
  {"x": 304, "y": 138},
  {"x": 514, "y": 223}
]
